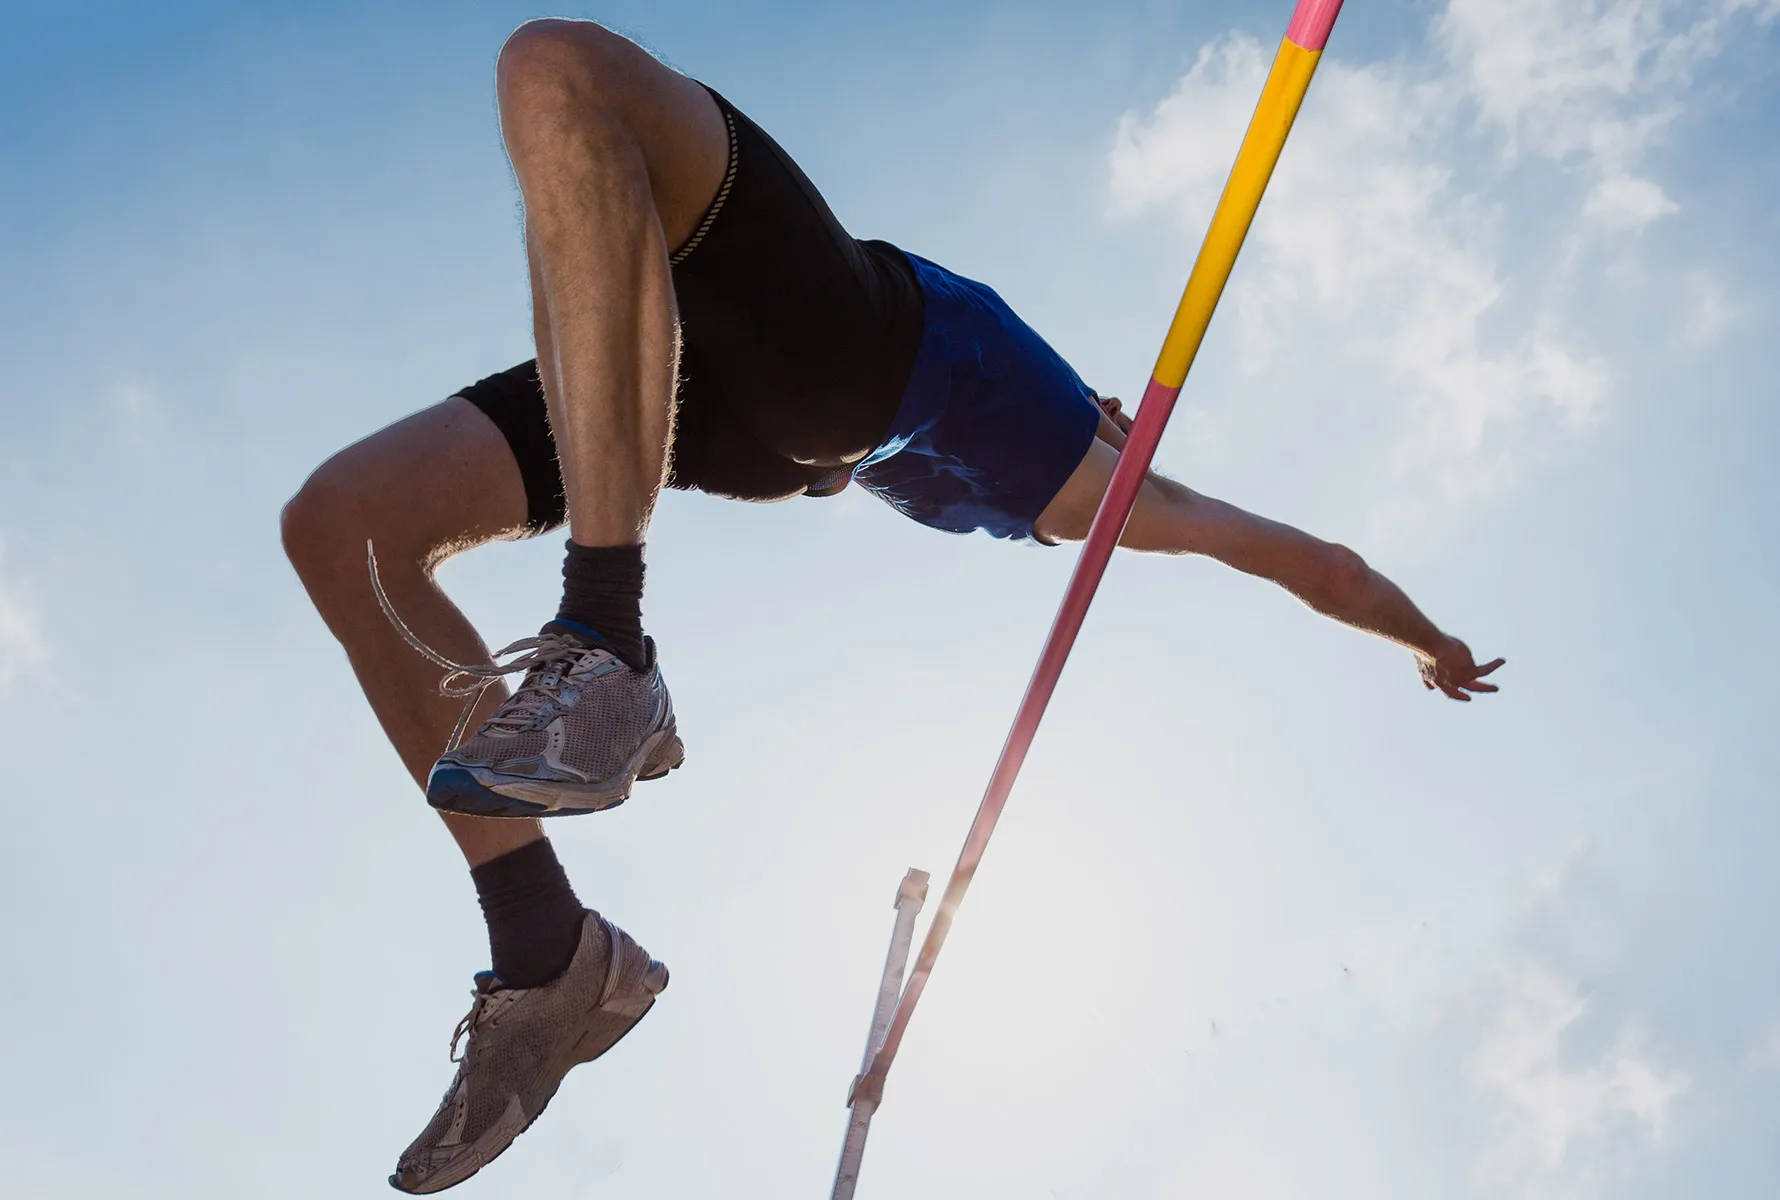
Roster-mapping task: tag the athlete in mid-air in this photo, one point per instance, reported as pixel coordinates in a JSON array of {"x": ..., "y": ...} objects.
[{"x": 702, "y": 321}]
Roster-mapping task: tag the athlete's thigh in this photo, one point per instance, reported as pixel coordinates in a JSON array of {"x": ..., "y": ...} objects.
[{"x": 440, "y": 480}]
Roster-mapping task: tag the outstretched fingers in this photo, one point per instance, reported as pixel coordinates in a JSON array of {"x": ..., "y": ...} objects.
[
  {"x": 1476, "y": 684},
  {"x": 1456, "y": 676}
]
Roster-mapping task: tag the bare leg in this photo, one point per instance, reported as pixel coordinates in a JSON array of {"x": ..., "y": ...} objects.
[
  {"x": 1172, "y": 519},
  {"x": 617, "y": 157},
  {"x": 435, "y": 483}
]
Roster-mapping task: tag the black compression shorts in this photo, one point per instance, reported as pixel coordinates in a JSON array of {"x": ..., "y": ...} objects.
[{"x": 797, "y": 341}]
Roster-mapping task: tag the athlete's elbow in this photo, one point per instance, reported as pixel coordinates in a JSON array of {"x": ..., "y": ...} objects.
[{"x": 1342, "y": 579}]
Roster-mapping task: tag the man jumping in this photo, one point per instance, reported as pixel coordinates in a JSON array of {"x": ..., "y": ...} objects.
[{"x": 703, "y": 322}]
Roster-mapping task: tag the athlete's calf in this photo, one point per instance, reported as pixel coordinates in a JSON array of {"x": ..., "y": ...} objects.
[{"x": 421, "y": 490}]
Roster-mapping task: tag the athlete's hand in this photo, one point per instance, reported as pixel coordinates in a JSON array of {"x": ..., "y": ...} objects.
[
  {"x": 1453, "y": 671},
  {"x": 1113, "y": 408}
]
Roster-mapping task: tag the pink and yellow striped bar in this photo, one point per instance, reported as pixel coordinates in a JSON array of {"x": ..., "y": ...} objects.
[
  {"x": 1311, "y": 24},
  {"x": 1284, "y": 91}
]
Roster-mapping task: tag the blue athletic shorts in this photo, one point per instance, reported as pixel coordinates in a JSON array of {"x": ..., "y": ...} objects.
[{"x": 992, "y": 421}]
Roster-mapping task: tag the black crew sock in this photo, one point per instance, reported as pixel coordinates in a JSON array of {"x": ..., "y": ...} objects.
[
  {"x": 602, "y": 588},
  {"x": 534, "y": 919}
]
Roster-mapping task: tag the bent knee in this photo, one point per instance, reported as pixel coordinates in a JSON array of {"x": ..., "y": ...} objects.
[
  {"x": 326, "y": 525},
  {"x": 317, "y": 524},
  {"x": 553, "y": 61}
]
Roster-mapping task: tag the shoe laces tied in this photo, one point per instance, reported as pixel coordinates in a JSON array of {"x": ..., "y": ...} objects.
[
  {"x": 485, "y": 1010},
  {"x": 534, "y": 657}
]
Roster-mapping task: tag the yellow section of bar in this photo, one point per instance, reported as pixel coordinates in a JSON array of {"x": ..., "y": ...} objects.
[{"x": 1286, "y": 84}]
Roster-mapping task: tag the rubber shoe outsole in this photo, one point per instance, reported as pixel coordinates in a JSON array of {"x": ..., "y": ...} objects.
[{"x": 459, "y": 790}]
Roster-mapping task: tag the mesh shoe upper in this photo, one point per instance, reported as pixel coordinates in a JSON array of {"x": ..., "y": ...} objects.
[
  {"x": 581, "y": 727},
  {"x": 521, "y": 1042},
  {"x": 580, "y": 715}
]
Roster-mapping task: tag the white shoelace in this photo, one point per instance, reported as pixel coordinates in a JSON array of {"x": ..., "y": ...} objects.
[
  {"x": 470, "y": 680},
  {"x": 486, "y": 1009}
]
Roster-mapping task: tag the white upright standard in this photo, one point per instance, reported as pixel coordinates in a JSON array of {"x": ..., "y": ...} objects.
[{"x": 909, "y": 898}]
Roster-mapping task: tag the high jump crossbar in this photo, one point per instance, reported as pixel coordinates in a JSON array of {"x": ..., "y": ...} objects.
[{"x": 1293, "y": 67}]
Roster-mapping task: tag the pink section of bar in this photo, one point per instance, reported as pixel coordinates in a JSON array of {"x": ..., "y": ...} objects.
[
  {"x": 1311, "y": 23},
  {"x": 1103, "y": 536}
]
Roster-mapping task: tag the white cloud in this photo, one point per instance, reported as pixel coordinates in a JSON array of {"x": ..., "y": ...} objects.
[
  {"x": 22, "y": 646},
  {"x": 1710, "y": 313},
  {"x": 135, "y": 404},
  {"x": 1626, "y": 202},
  {"x": 1595, "y": 81},
  {"x": 1365, "y": 228},
  {"x": 1382, "y": 239},
  {"x": 1565, "y": 1123},
  {"x": 1180, "y": 152},
  {"x": 1577, "y": 1097},
  {"x": 1766, "y": 1052}
]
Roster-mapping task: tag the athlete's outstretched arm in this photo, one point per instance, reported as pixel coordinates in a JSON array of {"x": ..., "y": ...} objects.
[{"x": 1173, "y": 519}]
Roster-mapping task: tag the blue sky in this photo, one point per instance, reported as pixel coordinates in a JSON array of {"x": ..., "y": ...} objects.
[{"x": 1264, "y": 919}]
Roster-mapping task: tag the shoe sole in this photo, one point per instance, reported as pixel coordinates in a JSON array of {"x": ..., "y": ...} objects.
[
  {"x": 479, "y": 792},
  {"x": 568, "y": 1062}
]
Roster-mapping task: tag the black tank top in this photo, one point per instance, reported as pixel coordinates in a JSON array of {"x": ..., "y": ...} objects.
[{"x": 802, "y": 333}]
